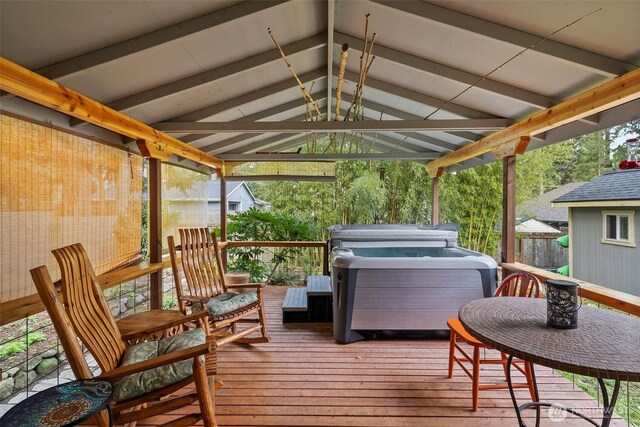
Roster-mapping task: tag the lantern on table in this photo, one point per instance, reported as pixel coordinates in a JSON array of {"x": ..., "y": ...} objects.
[{"x": 562, "y": 304}]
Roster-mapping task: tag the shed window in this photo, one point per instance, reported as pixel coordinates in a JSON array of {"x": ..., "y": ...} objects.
[
  {"x": 234, "y": 206},
  {"x": 618, "y": 227}
]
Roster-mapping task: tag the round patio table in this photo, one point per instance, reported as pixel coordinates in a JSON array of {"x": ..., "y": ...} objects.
[{"x": 606, "y": 345}]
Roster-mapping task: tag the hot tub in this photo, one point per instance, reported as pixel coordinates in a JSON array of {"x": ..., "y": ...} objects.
[{"x": 402, "y": 278}]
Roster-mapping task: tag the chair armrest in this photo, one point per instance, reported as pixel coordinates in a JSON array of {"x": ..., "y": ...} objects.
[
  {"x": 247, "y": 286},
  {"x": 191, "y": 299},
  {"x": 167, "y": 325},
  {"x": 166, "y": 359}
]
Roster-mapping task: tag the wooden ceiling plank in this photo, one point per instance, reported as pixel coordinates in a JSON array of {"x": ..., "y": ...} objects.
[
  {"x": 611, "y": 94},
  {"x": 33, "y": 87}
]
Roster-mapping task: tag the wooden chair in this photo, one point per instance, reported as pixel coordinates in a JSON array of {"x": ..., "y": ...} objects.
[
  {"x": 83, "y": 314},
  {"x": 514, "y": 285},
  {"x": 201, "y": 263}
]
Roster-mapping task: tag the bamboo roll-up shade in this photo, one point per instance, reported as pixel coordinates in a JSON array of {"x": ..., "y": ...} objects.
[
  {"x": 184, "y": 200},
  {"x": 57, "y": 189}
]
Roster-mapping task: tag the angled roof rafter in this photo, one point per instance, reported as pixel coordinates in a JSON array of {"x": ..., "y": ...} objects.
[
  {"x": 156, "y": 38},
  {"x": 260, "y": 115},
  {"x": 424, "y": 65},
  {"x": 271, "y": 55},
  {"x": 236, "y": 102},
  {"x": 591, "y": 61},
  {"x": 421, "y": 98}
]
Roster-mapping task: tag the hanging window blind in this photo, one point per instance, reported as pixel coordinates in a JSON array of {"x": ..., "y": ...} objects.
[{"x": 58, "y": 189}]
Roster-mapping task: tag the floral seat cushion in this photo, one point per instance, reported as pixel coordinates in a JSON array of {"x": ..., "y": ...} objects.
[
  {"x": 154, "y": 379},
  {"x": 228, "y": 302}
]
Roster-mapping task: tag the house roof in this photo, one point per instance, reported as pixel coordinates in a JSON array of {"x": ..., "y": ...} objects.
[
  {"x": 213, "y": 189},
  {"x": 532, "y": 226},
  {"x": 541, "y": 209},
  {"x": 621, "y": 185},
  {"x": 163, "y": 62}
]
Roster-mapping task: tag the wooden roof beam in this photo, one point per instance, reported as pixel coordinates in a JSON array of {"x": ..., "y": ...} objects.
[
  {"x": 333, "y": 126},
  {"x": 608, "y": 95},
  {"x": 35, "y": 88},
  {"x": 288, "y": 157}
]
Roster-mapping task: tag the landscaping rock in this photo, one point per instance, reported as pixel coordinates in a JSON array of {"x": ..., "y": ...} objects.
[
  {"x": 6, "y": 387},
  {"x": 135, "y": 300},
  {"x": 49, "y": 353},
  {"x": 23, "y": 378},
  {"x": 47, "y": 365},
  {"x": 62, "y": 357},
  {"x": 31, "y": 363},
  {"x": 13, "y": 371},
  {"x": 5, "y": 376}
]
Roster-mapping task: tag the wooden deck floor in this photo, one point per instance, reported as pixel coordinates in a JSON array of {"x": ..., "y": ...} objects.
[{"x": 304, "y": 378}]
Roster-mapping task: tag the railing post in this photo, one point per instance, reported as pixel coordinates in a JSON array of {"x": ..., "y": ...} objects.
[
  {"x": 508, "y": 209},
  {"x": 155, "y": 230}
]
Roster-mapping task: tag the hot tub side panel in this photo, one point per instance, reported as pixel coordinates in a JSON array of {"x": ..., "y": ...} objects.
[{"x": 403, "y": 299}]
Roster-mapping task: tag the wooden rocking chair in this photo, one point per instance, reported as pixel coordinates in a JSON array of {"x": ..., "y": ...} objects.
[
  {"x": 204, "y": 275},
  {"x": 143, "y": 375}
]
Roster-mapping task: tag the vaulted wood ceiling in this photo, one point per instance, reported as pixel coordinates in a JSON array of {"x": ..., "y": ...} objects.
[{"x": 177, "y": 64}]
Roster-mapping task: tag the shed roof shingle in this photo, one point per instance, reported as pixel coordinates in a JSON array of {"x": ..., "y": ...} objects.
[{"x": 619, "y": 185}]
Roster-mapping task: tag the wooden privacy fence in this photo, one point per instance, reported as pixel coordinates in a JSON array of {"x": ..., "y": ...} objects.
[{"x": 541, "y": 251}]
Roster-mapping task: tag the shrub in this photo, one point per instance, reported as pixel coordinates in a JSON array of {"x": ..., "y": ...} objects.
[{"x": 12, "y": 348}]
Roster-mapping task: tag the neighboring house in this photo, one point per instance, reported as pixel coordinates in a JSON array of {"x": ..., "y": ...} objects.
[
  {"x": 541, "y": 209},
  {"x": 604, "y": 225},
  {"x": 184, "y": 209},
  {"x": 239, "y": 199}
]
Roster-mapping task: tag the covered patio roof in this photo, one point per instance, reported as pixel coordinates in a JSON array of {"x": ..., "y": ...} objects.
[{"x": 206, "y": 72}]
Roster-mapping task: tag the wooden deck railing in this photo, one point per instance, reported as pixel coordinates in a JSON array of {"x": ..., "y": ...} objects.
[
  {"x": 285, "y": 244},
  {"x": 609, "y": 297}
]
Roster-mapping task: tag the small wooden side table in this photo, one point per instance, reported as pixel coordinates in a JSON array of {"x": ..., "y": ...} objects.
[
  {"x": 133, "y": 327},
  {"x": 63, "y": 405}
]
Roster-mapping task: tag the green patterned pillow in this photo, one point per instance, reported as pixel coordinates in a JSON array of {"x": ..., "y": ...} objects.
[
  {"x": 137, "y": 384},
  {"x": 229, "y": 301}
]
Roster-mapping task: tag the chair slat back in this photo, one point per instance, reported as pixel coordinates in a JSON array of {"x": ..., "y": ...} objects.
[
  {"x": 520, "y": 284},
  {"x": 200, "y": 262},
  {"x": 66, "y": 333},
  {"x": 87, "y": 308}
]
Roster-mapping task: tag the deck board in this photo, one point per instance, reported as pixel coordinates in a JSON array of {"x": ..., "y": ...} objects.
[{"x": 303, "y": 377}]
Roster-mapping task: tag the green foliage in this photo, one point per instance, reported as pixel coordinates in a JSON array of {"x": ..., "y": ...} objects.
[
  {"x": 20, "y": 345},
  {"x": 473, "y": 198},
  {"x": 12, "y": 348},
  {"x": 266, "y": 226},
  {"x": 35, "y": 337},
  {"x": 366, "y": 199}
]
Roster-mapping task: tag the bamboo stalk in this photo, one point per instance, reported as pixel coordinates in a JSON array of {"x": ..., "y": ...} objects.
[
  {"x": 305, "y": 93},
  {"x": 343, "y": 65}
]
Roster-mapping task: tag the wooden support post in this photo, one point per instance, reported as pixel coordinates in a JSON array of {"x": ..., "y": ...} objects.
[
  {"x": 435, "y": 201},
  {"x": 508, "y": 209},
  {"x": 223, "y": 218},
  {"x": 155, "y": 230}
]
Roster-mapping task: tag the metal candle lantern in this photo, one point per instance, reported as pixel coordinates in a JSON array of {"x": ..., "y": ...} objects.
[{"x": 562, "y": 304}]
